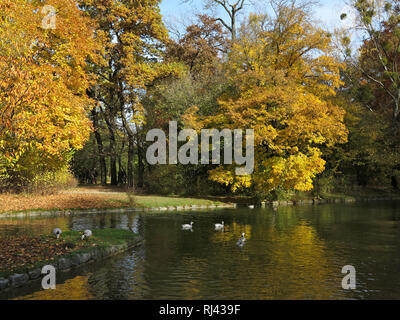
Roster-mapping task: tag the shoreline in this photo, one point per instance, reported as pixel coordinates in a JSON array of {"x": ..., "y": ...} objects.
[
  {"x": 17, "y": 279},
  {"x": 98, "y": 199},
  {"x": 71, "y": 212},
  {"x": 264, "y": 204}
]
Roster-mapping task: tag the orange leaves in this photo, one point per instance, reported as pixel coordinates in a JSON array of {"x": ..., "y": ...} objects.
[
  {"x": 18, "y": 252},
  {"x": 43, "y": 81},
  {"x": 285, "y": 80},
  {"x": 62, "y": 201}
]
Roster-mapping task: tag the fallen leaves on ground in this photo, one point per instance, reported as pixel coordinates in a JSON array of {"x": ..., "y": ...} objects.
[
  {"x": 20, "y": 251},
  {"x": 12, "y": 202}
]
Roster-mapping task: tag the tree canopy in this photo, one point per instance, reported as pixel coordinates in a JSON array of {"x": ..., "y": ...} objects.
[
  {"x": 43, "y": 82},
  {"x": 83, "y": 81}
]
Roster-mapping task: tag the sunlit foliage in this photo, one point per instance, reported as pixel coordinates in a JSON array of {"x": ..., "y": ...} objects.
[
  {"x": 285, "y": 78},
  {"x": 43, "y": 82}
]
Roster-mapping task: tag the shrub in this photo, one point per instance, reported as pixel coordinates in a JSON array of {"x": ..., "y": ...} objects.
[
  {"x": 164, "y": 180},
  {"x": 52, "y": 182},
  {"x": 44, "y": 183},
  {"x": 325, "y": 183},
  {"x": 186, "y": 180}
]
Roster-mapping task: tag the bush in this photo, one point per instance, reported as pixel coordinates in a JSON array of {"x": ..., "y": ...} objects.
[
  {"x": 325, "y": 183},
  {"x": 185, "y": 180},
  {"x": 44, "y": 183},
  {"x": 52, "y": 182},
  {"x": 164, "y": 180}
]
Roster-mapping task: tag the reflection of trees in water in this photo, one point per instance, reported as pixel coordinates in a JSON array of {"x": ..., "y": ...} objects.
[
  {"x": 293, "y": 253},
  {"x": 40, "y": 225},
  {"x": 232, "y": 232},
  {"x": 122, "y": 276},
  {"x": 298, "y": 265},
  {"x": 73, "y": 289},
  {"x": 284, "y": 258}
]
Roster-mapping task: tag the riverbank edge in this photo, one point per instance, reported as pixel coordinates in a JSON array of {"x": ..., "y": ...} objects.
[
  {"x": 65, "y": 263},
  {"x": 113, "y": 210},
  {"x": 263, "y": 204},
  {"x": 325, "y": 201}
]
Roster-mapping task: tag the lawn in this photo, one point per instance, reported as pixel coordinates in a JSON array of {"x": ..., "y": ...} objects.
[{"x": 92, "y": 198}]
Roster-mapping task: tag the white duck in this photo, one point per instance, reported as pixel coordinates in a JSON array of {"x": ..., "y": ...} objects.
[
  {"x": 86, "y": 234},
  {"x": 57, "y": 232},
  {"x": 187, "y": 226},
  {"x": 241, "y": 240},
  {"x": 252, "y": 206},
  {"x": 220, "y": 226}
]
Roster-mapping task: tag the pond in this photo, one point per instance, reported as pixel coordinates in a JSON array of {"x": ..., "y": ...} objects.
[{"x": 291, "y": 253}]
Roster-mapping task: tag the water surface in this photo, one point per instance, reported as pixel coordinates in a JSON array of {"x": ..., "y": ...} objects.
[{"x": 291, "y": 253}]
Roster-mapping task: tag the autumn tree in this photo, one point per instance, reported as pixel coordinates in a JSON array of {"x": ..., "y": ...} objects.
[
  {"x": 378, "y": 59},
  {"x": 284, "y": 78},
  {"x": 133, "y": 36},
  {"x": 373, "y": 82},
  {"x": 232, "y": 8},
  {"x": 201, "y": 52},
  {"x": 201, "y": 47},
  {"x": 43, "y": 82}
]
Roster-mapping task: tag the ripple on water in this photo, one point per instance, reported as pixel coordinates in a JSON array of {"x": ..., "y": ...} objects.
[{"x": 291, "y": 253}]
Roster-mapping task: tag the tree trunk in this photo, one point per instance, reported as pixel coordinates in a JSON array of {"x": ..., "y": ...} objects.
[
  {"x": 102, "y": 160},
  {"x": 396, "y": 107},
  {"x": 109, "y": 118},
  {"x": 233, "y": 26},
  {"x": 362, "y": 177},
  {"x": 113, "y": 157},
  {"x": 395, "y": 183},
  {"x": 131, "y": 149},
  {"x": 121, "y": 170},
  {"x": 131, "y": 154},
  {"x": 140, "y": 165}
]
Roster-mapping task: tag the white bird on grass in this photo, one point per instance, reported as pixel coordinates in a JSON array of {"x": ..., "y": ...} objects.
[
  {"x": 86, "y": 234},
  {"x": 57, "y": 232},
  {"x": 187, "y": 226},
  {"x": 220, "y": 226},
  {"x": 252, "y": 206},
  {"x": 241, "y": 240}
]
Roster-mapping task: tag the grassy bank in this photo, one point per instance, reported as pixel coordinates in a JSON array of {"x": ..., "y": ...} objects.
[
  {"x": 97, "y": 197},
  {"x": 20, "y": 254},
  {"x": 355, "y": 193},
  {"x": 298, "y": 196},
  {"x": 92, "y": 198}
]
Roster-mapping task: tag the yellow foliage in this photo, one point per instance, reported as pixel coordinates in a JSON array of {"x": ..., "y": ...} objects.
[
  {"x": 285, "y": 84},
  {"x": 43, "y": 82},
  {"x": 72, "y": 289}
]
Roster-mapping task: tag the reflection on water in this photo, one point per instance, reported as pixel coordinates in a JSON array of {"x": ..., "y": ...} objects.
[
  {"x": 291, "y": 253},
  {"x": 72, "y": 289}
]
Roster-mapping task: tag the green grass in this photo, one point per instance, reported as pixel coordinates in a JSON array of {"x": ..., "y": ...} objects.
[
  {"x": 134, "y": 201},
  {"x": 330, "y": 195},
  {"x": 101, "y": 237},
  {"x": 361, "y": 193},
  {"x": 150, "y": 201},
  {"x": 113, "y": 236}
]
